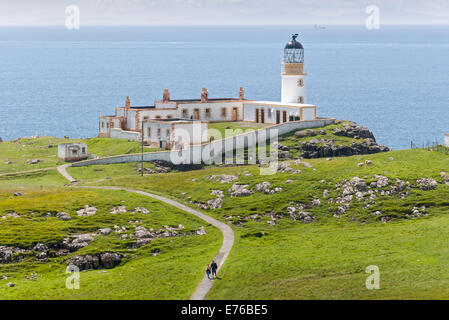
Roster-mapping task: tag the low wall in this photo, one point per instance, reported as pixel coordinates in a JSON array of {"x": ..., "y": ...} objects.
[
  {"x": 209, "y": 151},
  {"x": 122, "y": 134}
]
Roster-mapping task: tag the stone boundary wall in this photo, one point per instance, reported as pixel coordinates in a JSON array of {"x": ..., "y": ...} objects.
[{"x": 205, "y": 152}]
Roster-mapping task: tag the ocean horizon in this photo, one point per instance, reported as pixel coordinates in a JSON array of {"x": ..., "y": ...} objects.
[{"x": 57, "y": 82}]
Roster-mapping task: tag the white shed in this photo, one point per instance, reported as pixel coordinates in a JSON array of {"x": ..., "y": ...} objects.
[
  {"x": 446, "y": 140},
  {"x": 72, "y": 151}
]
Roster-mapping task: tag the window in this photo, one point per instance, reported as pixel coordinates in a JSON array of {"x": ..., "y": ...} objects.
[
  {"x": 168, "y": 134},
  {"x": 269, "y": 112},
  {"x": 158, "y": 132},
  {"x": 185, "y": 113},
  {"x": 223, "y": 112},
  {"x": 149, "y": 132},
  {"x": 83, "y": 150},
  {"x": 107, "y": 125},
  {"x": 158, "y": 117},
  {"x": 169, "y": 116},
  {"x": 300, "y": 99},
  {"x": 102, "y": 124},
  {"x": 284, "y": 116},
  {"x": 300, "y": 83},
  {"x": 145, "y": 118},
  {"x": 74, "y": 152},
  {"x": 207, "y": 112}
]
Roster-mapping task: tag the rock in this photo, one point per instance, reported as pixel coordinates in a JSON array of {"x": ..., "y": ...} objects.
[
  {"x": 63, "y": 216},
  {"x": 18, "y": 194},
  {"x": 142, "y": 232},
  {"x": 316, "y": 202},
  {"x": 105, "y": 231},
  {"x": 85, "y": 262},
  {"x": 325, "y": 193},
  {"x": 385, "y": 219},
  {"x": 301, "y": 134},
  {"x": 201, "y": 231},
  {"x": 120, "y": 209},
  {"x": 87, "y": 211},
  {"x": 10, "y": 284},
  {"x": 34, "y": 161},
  {"x": 40, "y": 247},
  {"x": 288, "y": 181},
  {"x": 141, "y": 210},
  {"x": 360, "y": 164},
  {"x": 341, "y": 210},
  {"x": 381, "y": 182},
  {"x": 42, "y": 256},
  {"x": 224, "y": 178},
  {"x": 426, "y": 184},
  {"x": 391, "y": 158},
  {"x": 5, "y": 254},
  {"x": 8, "y": 162},
  {"x": 368, "y": 162},
  {"x": 376, "y": 213},
  {"x": 109, "y": 260},
  {"x": 240, "y": 190}
]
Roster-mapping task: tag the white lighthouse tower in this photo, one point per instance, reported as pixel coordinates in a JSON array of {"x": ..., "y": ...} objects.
[{"x": 293, "y": 76}]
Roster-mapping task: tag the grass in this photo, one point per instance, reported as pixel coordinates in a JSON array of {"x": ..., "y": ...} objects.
[
  {"x": 327, "y": 258},
  {"x": 20, "y": 152},
  {"x": 173, "y": 274}
]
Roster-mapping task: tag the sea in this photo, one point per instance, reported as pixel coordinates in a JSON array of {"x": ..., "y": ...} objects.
[{"x": 57, "y": 82}]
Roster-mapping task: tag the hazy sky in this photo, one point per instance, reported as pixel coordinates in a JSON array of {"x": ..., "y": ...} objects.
[{"x": 221, "y": 12}]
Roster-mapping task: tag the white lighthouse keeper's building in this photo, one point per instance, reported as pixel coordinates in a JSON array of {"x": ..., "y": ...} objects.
[{"x": 293, "y": 76}]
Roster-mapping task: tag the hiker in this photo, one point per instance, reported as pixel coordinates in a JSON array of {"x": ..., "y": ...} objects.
[
  {"x": 214, "y": 268},
  {"x": 208, "y": 271}
]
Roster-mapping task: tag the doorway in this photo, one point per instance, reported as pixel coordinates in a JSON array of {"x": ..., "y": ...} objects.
[
  {"x": 284, "y": 116},
  {"x": 278, "y": 116},
  {"x": 196, "y": 114},
  {"x": 235, "y": 114},
  {"x": 257, "y": 115},
  {"x": 262, "y": 115}
]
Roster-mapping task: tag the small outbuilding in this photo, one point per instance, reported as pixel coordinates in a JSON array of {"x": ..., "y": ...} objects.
[
  {"x": 446, "y": 140},
  {"x": 72, "y": 152}
]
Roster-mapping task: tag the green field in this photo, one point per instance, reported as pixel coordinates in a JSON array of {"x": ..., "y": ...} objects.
[
  {"x": 15, "y": 155},
  {"x": 174, "y": 273},
  {"x": 284, "y": 259}
]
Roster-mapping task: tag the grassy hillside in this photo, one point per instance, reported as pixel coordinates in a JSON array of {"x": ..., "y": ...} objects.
[
  {"x": 172, "y": 273},
  {"x": 325, "y": 259},
  {"x": 15, "y": 155},
  {"x": 311, "y": 239}
]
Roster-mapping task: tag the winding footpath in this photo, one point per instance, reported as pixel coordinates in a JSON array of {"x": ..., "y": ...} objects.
[{"x": 228, "y": 234}]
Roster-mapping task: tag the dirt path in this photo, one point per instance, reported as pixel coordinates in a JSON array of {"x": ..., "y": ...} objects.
[{"x": 228, "y": 234}]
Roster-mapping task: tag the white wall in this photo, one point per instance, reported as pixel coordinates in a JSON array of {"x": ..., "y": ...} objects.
[
  {"x": 215, "y": 108},
  {"x": 203, "y": 150},
  {"x": 446, "y": 140},
  {"x": 290, "y": 89},
  {"x": 250, "y": 112}
]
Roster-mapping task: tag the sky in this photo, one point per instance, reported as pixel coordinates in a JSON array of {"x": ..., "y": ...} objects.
[{"x": 221, "y": 12}]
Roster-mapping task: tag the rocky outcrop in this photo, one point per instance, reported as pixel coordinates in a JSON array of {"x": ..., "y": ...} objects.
[
  {"x": 352, "y": 130},
  {"x": 106, "y": 260},
  {"x": 327, "y": 145},
  {"x": 326, "y": 148}
]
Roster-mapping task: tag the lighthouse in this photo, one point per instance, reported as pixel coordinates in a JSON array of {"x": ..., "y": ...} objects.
[{"x": 293, "y": 76}]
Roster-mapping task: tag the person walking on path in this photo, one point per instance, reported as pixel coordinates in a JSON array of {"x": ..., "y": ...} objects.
[
  {"x": 208, "y": 270},
  {"x": 214, "y": 268}
]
